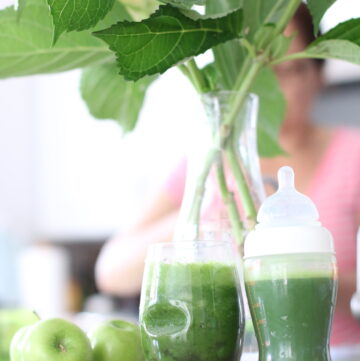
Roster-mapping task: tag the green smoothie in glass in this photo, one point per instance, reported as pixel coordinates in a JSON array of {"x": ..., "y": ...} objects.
[{"x": 191, "y": 312}]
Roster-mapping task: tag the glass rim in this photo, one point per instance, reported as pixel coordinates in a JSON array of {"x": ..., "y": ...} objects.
[
  {"x": 189, "y": 244},
  {"x": 227, "y": 92}
]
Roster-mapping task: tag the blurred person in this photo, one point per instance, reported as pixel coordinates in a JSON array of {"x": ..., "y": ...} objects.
[{"x": 327, "y": 166}]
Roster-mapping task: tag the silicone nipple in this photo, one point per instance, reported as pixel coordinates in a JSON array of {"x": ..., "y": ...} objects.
[{"x": 287, "y": 207}]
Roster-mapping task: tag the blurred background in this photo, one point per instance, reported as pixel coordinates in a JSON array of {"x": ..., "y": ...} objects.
[{"x": 68, "y": 181}]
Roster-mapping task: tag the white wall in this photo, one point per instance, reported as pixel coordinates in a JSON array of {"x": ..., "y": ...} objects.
[
  {"x": 17, "y": 140},
  {"x": 68, "y": 175}
]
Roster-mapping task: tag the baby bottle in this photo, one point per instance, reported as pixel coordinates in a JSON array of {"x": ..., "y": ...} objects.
[{"x": 290, "y": 277}]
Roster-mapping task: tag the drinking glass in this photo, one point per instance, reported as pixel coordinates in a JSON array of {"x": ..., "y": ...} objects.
[{"x": 191, "y": 307}]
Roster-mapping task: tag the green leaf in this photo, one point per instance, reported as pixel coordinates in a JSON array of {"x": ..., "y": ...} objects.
[
  {"x": 26, "y": 44},
  {"x": 220, "y": 7},
  {"x": 229, "y": 56},
  {"x": 272, "y": 107},
  {"x": 21, "y": 7},
  {"x": 166, "y": 38},
  {"x": 212, "y": 77},
  {"x": 317, "y": 9},
  {"x": 109, "y": 96},
  {"x": 260, "y": 12},
  {"x": 280, "y": 45},
  {"x": 348, "y": 30},
  {"x": 341, "y": 42},
  {"x": 335, "y": 49},
  {"x": 70, "y": 15}
]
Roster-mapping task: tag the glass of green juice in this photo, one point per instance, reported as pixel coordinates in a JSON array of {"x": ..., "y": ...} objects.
[
  {"x": 292, "y": 300},
  {"x": 191, "y": 307}
]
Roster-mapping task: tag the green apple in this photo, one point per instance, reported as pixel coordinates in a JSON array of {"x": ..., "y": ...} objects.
[
  {"x": 51, "y": 340},
  {"x": 17, "y": 343},
  {"x": 116, "y": 340},
  {"x": 11, "y": 320}
]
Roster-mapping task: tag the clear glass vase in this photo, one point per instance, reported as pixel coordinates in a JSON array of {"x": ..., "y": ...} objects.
[
  {"x": 191, "y": 307},
  {"x": 224, "y": 187}
]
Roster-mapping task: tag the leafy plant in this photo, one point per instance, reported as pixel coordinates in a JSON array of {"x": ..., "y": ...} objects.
[
  {"x": 121, "y": 41},
  {"x": 147, "y": 47}
]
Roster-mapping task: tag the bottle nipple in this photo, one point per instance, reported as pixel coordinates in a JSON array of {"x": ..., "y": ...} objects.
[{"x": 287, "y": 206}]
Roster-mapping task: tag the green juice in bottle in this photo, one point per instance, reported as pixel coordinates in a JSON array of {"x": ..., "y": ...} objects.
[{"x": 290, "y": 277}]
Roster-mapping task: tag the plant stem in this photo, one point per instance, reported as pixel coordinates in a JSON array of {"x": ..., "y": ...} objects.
[
  {"x": 230, "y": 144},
  {"x": 197, "y": 76},
  {"x": 246, "y": 198},
  {"x": 300, "y": 55},
  {"x": 194, "y": 214},
  {"x": 194, "y": 74},
  {"x": 243, "y": 85},
  {"x": 287, "y": 15},
  {"x": 244, "y": 70},
  {"x": 184, "y": 69},
  {"x": 239, "y": 99},
  {"x": 249, "y": 48},
  {"x": 229, "y": 200}
]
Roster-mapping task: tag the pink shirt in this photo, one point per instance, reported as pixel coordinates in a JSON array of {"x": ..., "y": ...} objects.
[{"x": 335, "y": 189}]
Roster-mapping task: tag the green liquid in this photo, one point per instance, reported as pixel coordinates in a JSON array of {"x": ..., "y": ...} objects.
[
  {"x": 191, "y": 312},
  {"x": 292, "y": 317}
]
